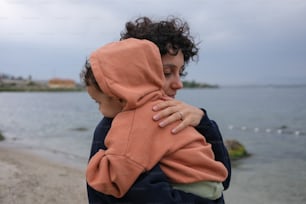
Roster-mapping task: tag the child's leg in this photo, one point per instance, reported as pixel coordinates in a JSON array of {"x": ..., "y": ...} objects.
[{"x": 205, "y": 189}]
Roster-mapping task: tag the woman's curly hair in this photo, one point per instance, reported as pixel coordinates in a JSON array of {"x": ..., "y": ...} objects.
[{"x": 169, "y": 35}]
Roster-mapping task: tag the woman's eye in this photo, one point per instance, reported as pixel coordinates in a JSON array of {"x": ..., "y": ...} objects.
[{"x": 167, "y": 74}]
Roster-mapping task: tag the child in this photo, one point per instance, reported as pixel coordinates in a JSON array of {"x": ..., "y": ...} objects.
[{"x": 126, "y": 79}]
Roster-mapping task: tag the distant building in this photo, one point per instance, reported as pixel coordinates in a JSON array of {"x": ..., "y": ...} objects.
[{"x": 61, "y": 83}]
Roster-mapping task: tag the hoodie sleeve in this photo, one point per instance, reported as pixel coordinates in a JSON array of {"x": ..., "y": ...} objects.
[
  {"x": 100, "y": 163},
  {"x": 114, "y": 170},
  {"x": 112, "y": 174},
  {"x": 210, "y": 129}
]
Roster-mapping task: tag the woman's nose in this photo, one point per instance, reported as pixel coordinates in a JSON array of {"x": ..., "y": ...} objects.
[{"x": 177, "y": 83}]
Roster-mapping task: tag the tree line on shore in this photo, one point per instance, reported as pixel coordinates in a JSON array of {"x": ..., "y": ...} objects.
[{"x": 13, "y": 83}]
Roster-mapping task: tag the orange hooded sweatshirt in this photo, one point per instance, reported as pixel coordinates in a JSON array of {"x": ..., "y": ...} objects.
[{"x": 132, "y": 70}]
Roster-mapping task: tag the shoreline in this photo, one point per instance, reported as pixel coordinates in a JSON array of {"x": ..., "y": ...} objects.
[
  {"x": 28, "y": 178},
  {"x": 32, "y": 175}
]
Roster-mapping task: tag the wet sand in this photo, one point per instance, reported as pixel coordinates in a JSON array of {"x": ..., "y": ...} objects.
[{"x": 26, "y": 179}]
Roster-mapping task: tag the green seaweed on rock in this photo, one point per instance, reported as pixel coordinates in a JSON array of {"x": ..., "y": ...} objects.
[
  {"x": 1, "y": 136},
  {"x": 235, "y": 149}
]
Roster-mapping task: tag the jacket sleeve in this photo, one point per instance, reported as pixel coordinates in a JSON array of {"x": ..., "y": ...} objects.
[
  {"x": 210, "y": 130},
  {"x": 154, "y": 187},
  {"x": 151, "y": 186}
]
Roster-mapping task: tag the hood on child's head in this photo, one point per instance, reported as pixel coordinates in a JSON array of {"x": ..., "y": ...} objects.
[{"x": 130, "y": 69}]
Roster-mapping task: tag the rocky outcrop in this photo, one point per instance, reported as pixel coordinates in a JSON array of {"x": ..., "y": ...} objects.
[
  {"x": 235, "y": 149},
  {"x": 1, "y": 136}
]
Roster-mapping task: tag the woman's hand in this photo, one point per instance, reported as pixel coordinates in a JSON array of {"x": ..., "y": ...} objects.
[{"x": 172, "y": 110}]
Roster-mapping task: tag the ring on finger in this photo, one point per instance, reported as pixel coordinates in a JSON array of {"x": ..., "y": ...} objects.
[{"x": 181, "y": 115}]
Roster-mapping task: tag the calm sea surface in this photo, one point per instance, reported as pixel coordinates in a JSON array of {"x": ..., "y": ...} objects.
[{"x": 269, "y": 121}]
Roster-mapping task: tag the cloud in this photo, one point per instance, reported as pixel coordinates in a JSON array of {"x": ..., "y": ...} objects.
[{"x": 240, "y": 40}]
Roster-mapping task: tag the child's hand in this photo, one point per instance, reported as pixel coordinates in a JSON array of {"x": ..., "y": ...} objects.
[{"x": 172, "y": 110}]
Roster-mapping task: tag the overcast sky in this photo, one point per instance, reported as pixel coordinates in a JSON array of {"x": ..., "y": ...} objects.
[{"x": 242, "y": 41}]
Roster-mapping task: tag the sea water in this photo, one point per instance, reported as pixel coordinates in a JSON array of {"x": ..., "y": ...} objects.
[{"x": 269, "y": 121}]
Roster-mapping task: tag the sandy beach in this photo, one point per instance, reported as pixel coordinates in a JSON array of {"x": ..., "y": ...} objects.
[{"x": 26, "y": 178}]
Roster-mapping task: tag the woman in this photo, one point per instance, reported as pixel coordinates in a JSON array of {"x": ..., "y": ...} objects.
[{"x": 177, "y": 49}]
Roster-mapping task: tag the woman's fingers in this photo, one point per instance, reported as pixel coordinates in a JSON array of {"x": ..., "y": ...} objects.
[
  {"x": 164, "y": 104},
  {"x": 165, "y": 109},
  {"x": 170, "y": 119},
  {"x": 172, "y": 110}
]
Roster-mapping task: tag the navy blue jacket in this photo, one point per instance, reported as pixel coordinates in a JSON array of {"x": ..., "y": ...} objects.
[{"x": 153, "y": 186}]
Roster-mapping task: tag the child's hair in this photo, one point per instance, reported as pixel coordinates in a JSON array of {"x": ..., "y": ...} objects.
[{"x": 88, "y": 77}]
